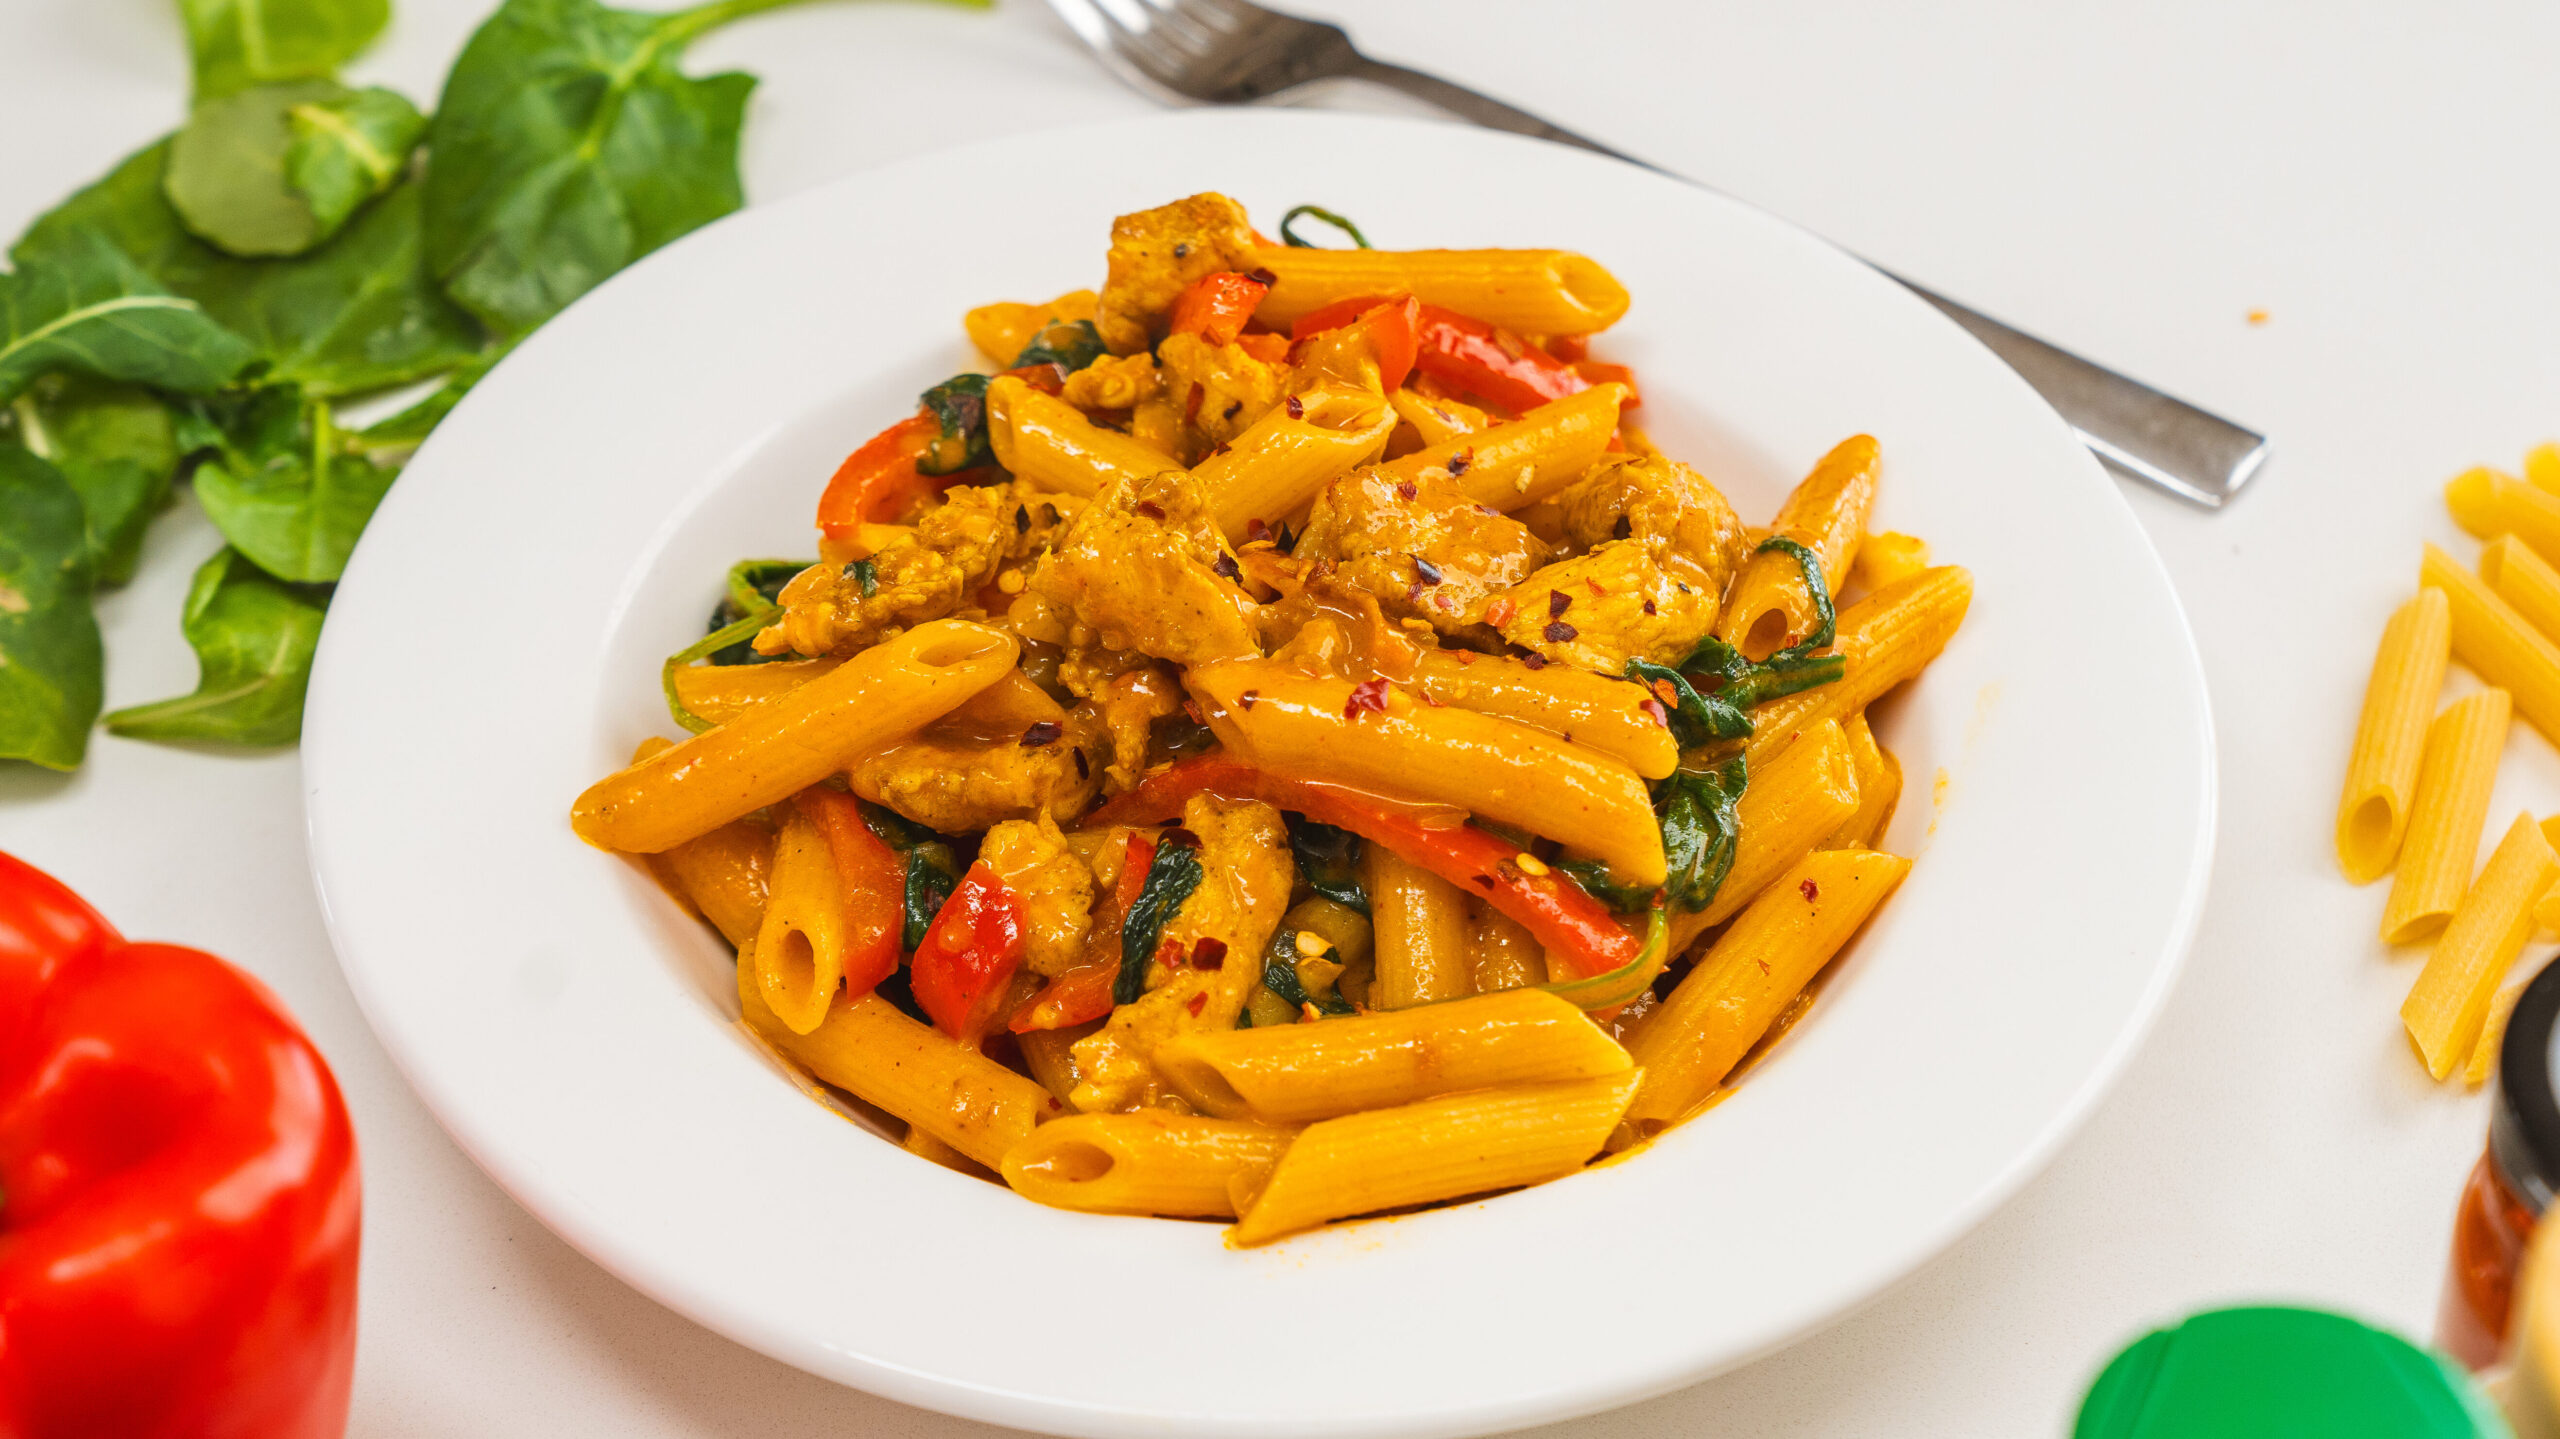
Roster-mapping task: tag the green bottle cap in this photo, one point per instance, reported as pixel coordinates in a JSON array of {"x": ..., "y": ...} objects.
[{"x": 2283, "y": 1374}]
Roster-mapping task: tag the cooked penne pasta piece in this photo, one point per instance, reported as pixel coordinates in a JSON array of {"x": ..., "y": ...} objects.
[
  {"x": 1146, "y": 1162},
  {"x": 2523, "y": 579},
  {"x": 1520, "y": 462},
  {"x": 1887, "y": 559},
  {"x": 784, "y": 746},
  {"x": 2500, "y": 645},
  {"x": 1590, "y": 710},
  {"x": 1501, "y": 951},
  {"x": 1276, "y": 466},
  {"x": 1048, "y": 442},
  {"x": 1302, "y": 727},
  {"x": 718, "y": 694},
  {"x": 1886, "y": 638},
  {"x": 1879, "y": 777},
  {"x": 1768, "y": 606},
  {"x": 724, "y": 875},
  {"x": 2489, "y": 504},
  {"x": 799, "y": 948},
  {"x": 1444, "y": 1148},
  {"x": 1437, "y": 420},
  {"x": 2493, "y": 1032},
  {"x": 1538, "y": 292},
  {"x": 1418, "y": 932},
  {"x": 1001, "y": 330},
  {"x": 1736, "y": 990},
  {"x": 1806, "y": 792},
  {"x": 1051, "y": 1056},
  {"x": 2445, "y": 1007},
  {"x": 2455, "y": 771},
  {"x": 1304, "y": 1072},
  {"x": 941, "y": 1086},
  {"x": 2382, "y": 770},
  {"x": 924, "y": 1146}
]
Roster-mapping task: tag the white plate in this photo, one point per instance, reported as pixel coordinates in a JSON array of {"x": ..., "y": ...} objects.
[{"x": 495, "y": 648}]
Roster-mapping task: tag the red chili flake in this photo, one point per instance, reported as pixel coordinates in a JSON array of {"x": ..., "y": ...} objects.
[
  {"x": 1595, "y": 588},
  {"x": 1232, "y": 408},
  {"x": 1648, "y": 606},
  {"x": 1191, "y": 707},
  {"x": 1653, "y": 707},
  {"x": 1459, "y": 462},
  {"x": 1559, "y": 633},
  {"x": 1209, "y": 953},
  {"x": 1297, "y": 408},
  {"x": 1262, "y": 277},
  {"x": 1810, "y": 891},
  {"x": 1463, "y": 657},
  {"x": 1226, "y": 565},
  {"x": 1407, "y": 489},
  {"x": 1665, "y": 691},
  {"x": 1021, "y": 519},
  {"x": 1486, "y": 880},
  {"x": 1198, "y": 1002},
  {"x": 1446, "y": 606},
  {"x": 1499, "y": 613},
  {"x": 1180, "y": 838},
  {"x": 1169, "y": 954},
  {"x": 1425, "y": 571},
  {"x": 1366, "y": 695},
  {"x": 1191, "y": 406},
  {"x": 1248, "y": 697},
  {"x": 1083, "y": 770},
  {"x": 1256, "y": 532},
  {"x": 1623, "y": 528},
  {"x": 1534, "y": 660},
  {"x": 1054, "y": 1105},
  {"x": 1222, "y": 448},
  {"x": 1150, "y": 509},
  {"x": 1043, "y": 734},
  {"x": 1557, "y": 603}
]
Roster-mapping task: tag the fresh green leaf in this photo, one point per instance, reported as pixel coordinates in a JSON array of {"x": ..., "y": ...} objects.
[
  {"x": 349, "y": 149},
  {"x": 1701, "y": 825},
  {"x": 239, "y": 43},
  {"x": 932, "y": 873},
  {"x": 1328, "y": 860},
  {"x": 226, "y": 174},
  {"x": 117, "y": 445},
  {"x": 1280, "y": 976},
  {"x": 959, "y": 405},
  {"x": 1068, "y": 344},
  {"x": 52, "y": 667},
  {"x": 356, "y": 315},
  {"x": 568, "y": 144},
  {"x": 295, "y": 509},
  {"x": 1171, "y": 877},
  {"x": 254, "y": 637},
  {"x": 86, "y": 308}
]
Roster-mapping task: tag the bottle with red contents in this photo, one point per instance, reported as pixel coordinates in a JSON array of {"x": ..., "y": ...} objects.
[{"x": 2511, "y": 1185}]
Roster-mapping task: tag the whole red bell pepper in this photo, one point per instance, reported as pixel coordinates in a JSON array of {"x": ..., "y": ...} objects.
[
  {"x": 179, "y": 1194},
  {"x": 960, "y": 972},
  {"x": 1467, "y": 354}
]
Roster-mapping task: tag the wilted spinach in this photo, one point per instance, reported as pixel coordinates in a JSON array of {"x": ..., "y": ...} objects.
[
  {"x": 1171, "y": 877},
  {"x": 1068, "y": 344},
  {"x": 1701, "y": 825},
  {"x": 1280, "y": 976},
  {"x": 254, "y": 636},
  {"x": 1710, "y": 695},
  {"x": 959, "y": 406},
  {"x": 51, "y": 665},
  {"x": 1328, "y": 860},
  {"x": 239, "y": 43}
]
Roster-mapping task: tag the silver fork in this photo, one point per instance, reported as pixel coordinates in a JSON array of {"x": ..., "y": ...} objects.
[{"x": 1234, "y": 52}]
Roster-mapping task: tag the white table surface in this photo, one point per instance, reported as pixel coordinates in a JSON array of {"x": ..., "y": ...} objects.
[{"x": 2383, "y": 179}]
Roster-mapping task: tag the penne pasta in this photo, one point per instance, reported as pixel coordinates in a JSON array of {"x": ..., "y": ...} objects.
[
  {"x": 799, "y": 947},
  {"x": 2382, "y": 770},
  {"x": 1594, "y": 711},
  {"x": 2445, "y": 1007},
  {"x": 1443, "y": 1148},
  {"x": 1768, "y": 606},
  {"x": 1418, "y": 932},
  {"x": 1879, "y": 777},
  {"x": 924, "y": 1146},
  {"x": 721, "y": 876},
  {"x": 868, "y": 1049},
  {"x": 2527, "y": 583},
  {"x": 718, "y": 694},
  {"x": 1737, "y": 989},
  {"x": 1047, "y": 442},
  {"x": 1147, "y": 1162},
  {"x": 2493, "y": 1032},
  {"x": 1887, "y": 559},
  {"x": 1051, "y": 1057},
  {"x": 1304, "y": 1072},
  {"x": 1002, "y": 330},
  {"x": 2455, "y": 771},
  {"x": 1437, "y": 420},
  {"x": 1302, "y": 727},
  {"x": 1276, "y": 466},
  {"x": 2500, "y": 645},
  {"x": 1886, "y": 638},
  {"x": 1520, "y": 462},
  {"x": 1538, "y": 292},
  {"x": 1806, "y": 792},
  {"x": 1501, "y": 953},
  {"x": 2489, "y": 504},
  {"x": 778, "y": 749},
  {"x": 2542, "y": 467}
]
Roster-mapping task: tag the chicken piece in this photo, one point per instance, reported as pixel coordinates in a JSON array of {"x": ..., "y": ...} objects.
[
  {"x": 1421, "y": 546},
  {"x": 956, "y": 782},
  {"x": 1234, "y": 389},
  {"x": 924, "y": 574},
  {"x": 1144, "y": 568},
  {"x": 1055, "y": 887},
  {"x": 1662, "y": 502},
  {"x": 1132, "y": 692},
  {"x": 1209, "y": 958},
  {"x": 1156, "y": 254},
  {"x": 1597, "y": 611}
]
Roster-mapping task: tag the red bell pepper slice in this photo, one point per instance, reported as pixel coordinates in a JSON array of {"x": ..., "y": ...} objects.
[
  {"x": 1468, "y": 354},
  {"x": 1390, "y": 326},
  {"x": 874, "y": 881},
  {"x": 1083, "y": 993},
  {"x": 961, "y": 971},
  {"x": 1336, "y": 315},
  {"x": 182, "y": 1199},
  {"x": 1565, "y": 918},
  {"x": 880, "y": 482},
  {"x": 1216, "y": 307}
]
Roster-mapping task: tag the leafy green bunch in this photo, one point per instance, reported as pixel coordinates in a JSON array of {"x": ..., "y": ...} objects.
[{"x": 210, "y": 307}]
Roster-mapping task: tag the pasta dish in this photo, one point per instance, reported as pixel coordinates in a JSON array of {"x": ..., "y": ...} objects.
[{"x": 1285, "y": 746}]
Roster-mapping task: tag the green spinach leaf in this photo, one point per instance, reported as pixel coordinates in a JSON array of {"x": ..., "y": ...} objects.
[
  {"x": 1280, "y": 976},
  {"x": 959, "y": 406},
  {"x": 356, "y": 315},
  {"x": 294, "y": 508},
  {"x": 52, "y": 666},
  {"x": 226, "y": 174},
  {"x": 1068, "y": 344},
  {"x": 239, "y": 43},
  {"x": 254, "y": 637},
  {"x": 1171, "y": 877},
  {"x": 86, "y": 308},
  {"x": 933, "y": 871},
  {"x": 408, "y": 429},
  {"x": 117, "y": 445},
  {"x": 1328, "y": 860},
  {"x": 1701, "y": 824},
  {"x": 348, "y": 149}
]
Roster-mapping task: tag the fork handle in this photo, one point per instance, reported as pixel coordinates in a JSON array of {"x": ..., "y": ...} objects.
[{"x": 2133, "y": 429}]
